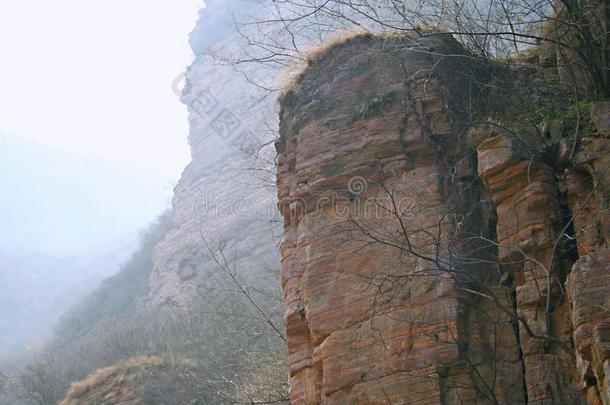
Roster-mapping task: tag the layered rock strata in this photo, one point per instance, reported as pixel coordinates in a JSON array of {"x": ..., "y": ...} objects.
[
  {"x": 526, "y": 199},
  {"x": 372, "y": 317},
  {"x": 417, "y": 271},
  {"x": 587, "y": 184},
  {"x": 544, "y": 209}
]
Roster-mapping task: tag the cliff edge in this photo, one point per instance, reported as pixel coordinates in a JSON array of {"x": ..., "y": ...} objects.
[{"x": 428, "y": 255}]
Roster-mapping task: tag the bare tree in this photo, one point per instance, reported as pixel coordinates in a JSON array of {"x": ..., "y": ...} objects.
[
  {"x": 493, "y": 30},
  {"x": 42, "y": 383}
]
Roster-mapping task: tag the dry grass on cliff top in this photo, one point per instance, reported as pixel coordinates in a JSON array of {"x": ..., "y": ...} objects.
[
  {"x": 121, "y": 373},
  {"x": 290, "y": 76}
]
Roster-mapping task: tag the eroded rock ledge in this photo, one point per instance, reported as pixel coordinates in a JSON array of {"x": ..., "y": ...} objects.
[{"x": 411, "y": 273}]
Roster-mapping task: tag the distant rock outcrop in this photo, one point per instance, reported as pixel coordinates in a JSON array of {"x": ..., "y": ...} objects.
[
  {"x": 137, "y": 381},
  {"x": 222, "y": 195}
]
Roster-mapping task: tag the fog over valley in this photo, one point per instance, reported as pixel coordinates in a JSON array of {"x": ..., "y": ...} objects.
[{"x": 67, "y": 221}]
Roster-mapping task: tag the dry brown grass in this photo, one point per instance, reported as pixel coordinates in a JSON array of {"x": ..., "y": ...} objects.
[
  {"x": 290, "y": 76},
  {"x": 338, "y": 38},
  {"x": 119, "y": 374}
]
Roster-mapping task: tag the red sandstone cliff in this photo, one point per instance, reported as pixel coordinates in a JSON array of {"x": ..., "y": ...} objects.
[{"x": 418, "y": 268}]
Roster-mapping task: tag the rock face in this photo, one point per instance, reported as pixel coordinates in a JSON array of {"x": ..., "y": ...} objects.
[
  {"x": 588, "y": 285},
  {"x": 529, "y": 222},
  {"x": 588, "y": 293},
  {"x": 533, "y": 230},
  {"x": 220, "y": 197},
  {"x": 363, "y": 136},
  {"x": 416, "y": 270}
]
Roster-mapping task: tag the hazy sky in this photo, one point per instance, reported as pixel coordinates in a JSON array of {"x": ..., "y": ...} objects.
[
  {"x": 92, "y": 134},
  {"x": 94, "y": 77}
]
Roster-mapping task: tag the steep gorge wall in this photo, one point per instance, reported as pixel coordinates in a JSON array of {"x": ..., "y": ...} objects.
[
  {"x": 221, "y": 197},
  {"x": 415, "y": 269}
]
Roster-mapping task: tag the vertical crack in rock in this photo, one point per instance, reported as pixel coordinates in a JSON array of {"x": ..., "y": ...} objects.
[{"x": 529, "y": 224}]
